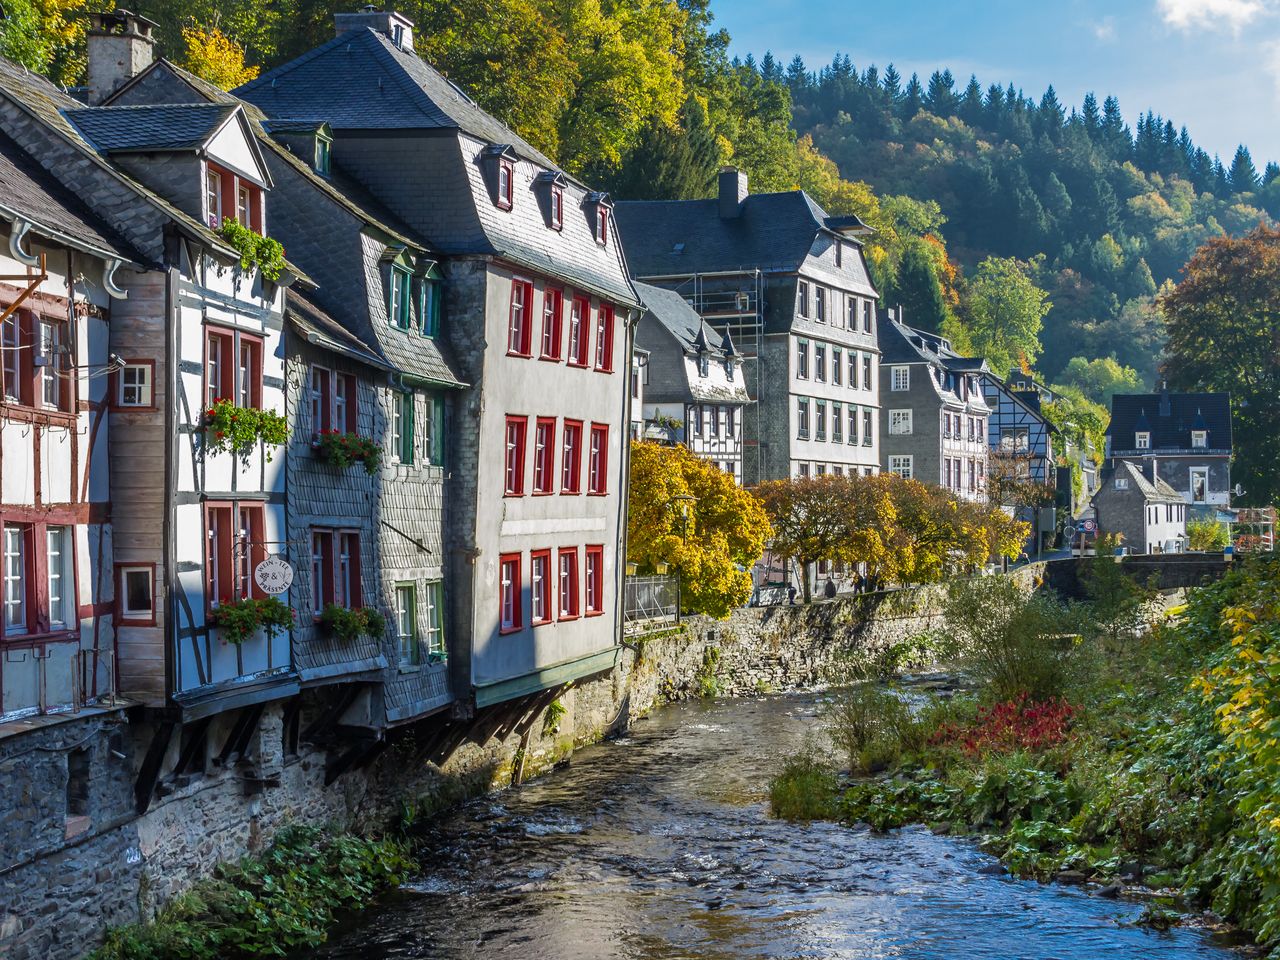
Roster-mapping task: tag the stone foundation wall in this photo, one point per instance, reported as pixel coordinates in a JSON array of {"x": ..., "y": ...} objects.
[{"x": 64, "y": 877}]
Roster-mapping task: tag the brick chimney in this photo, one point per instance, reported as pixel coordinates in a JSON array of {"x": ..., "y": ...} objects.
[
  {"x": 733, "y": 191},
  {"x": 396, "y": 27},
  {"x": 120, "y": 46}
]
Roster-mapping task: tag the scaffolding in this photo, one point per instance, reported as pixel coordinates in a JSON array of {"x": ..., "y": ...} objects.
[{"x": 732, "y": 302}]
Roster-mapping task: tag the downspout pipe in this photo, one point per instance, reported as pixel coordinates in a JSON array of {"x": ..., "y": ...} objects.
[
  {"x": 16, "y": 235},
  {"x": 114, "y": 290}
]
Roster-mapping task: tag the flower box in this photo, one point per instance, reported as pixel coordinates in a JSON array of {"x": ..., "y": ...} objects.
[{"x": 343, "y": 449}]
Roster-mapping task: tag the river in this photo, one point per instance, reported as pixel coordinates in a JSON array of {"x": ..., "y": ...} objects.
[{"x": 659, "y": 846}]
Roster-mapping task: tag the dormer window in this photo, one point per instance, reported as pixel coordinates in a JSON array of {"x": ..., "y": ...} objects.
[
  {"x": 597, "y": 210},
  {"x": 704, "y": 366},
  {"x": 602, "y": 224},
  {"x": 323, "y": 155},
  {"x": 429, "y": 296},
  {"x": 839, "y": 253},
  {"x": 1199, "y": 439},
  {"x": 1142, "y": 440},
  {"x": 506, "y": 183},
  {"x": 227, "y": 195},
  {"x": 557, "y": 208},
  {"x": 549, "y": 189},
  {"x": 400, "y": 298},
  {"x": 1122, "y": 483}
]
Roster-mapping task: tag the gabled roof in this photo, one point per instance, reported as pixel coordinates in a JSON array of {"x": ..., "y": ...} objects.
[
  {"x": 1170, "y": 418},
  {"x": 1158, "y": 492},
  {"x": 29, "y": 192},
  {"x": 679, "y": 319},
  {"x": 338, "y": 187},
  {"x": 160, "y": 127},
  {"x": 46, "y": 104},
  {"x": 361, "y": 80},
  {"x": 773, "y": 232}
]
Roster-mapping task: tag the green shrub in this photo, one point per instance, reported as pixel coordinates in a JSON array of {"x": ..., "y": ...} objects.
[
  {"x": 871, "y": 727},
  {"x": 805, "y": 788},
  {"x": 1014, "y": 643},
  {"x": 284, "y": 901},
  {"x": 1207, "y": 535},
  {"x": 707, "y": 680}
]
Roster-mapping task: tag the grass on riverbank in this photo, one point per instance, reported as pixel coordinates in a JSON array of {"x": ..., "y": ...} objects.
[
  {"x": 1090, "y": 745},
  {"x": 268, "y": 906}
]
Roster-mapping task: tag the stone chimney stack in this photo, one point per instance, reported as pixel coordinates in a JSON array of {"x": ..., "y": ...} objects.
[
  {"x": 733, "y": 191},
  {"x": 396, "y": 27},
  {"x": 120, "y": 47}
]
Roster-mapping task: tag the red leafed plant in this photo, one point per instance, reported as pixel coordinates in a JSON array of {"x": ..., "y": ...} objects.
[{"x": 1017, "y": 724}]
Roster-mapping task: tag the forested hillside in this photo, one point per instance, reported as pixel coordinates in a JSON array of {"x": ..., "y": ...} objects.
[
  {"x": 972, "y": 192},
  {"x": 1113, "y": 212}
]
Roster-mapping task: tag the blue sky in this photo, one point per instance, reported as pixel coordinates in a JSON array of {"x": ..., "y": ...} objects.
[{"x": 1211, "y": 65}]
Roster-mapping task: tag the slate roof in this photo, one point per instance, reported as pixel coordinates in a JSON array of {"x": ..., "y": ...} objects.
[
  {"x": 151, "y": 127},
  {"x": 674, "y": 313},
  {"x": 361, "y": 81},
  {"x": 318, "y": 327},
  {"x": 774, "y": 232},
  {"x": 368, "y": 83},
  {"x": 340, "y": 188},
  {"x": 28, "y": 191},
  {"x": 46, "y": 104},
  {"x": 1158, "y": 492},
  {"x": 1170, "y": 418}
]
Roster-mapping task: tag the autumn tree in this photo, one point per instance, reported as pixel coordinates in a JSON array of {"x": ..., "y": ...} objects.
[
  {"x": 213, "y": 56},
  {"x": 685, "y": 512},
  {"x": 1102, "y": 379},
  {"x": 1010, "y": 484},
  {"x": 808, "y": 521},
  {"x": 1223, "y": 321},
  {"x": 1005, "y": 310}
]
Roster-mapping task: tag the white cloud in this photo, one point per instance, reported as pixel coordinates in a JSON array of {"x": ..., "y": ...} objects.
[
  {"x": 1104, "y": 30},
  {"x": 1212, "y": 14}
]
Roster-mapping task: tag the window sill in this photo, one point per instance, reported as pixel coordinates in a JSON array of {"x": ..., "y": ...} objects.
[
  {"x": 550, "y": 359},
  {"x": 509, "y": 495},
  {"x": 542, "y": 623},
  {"x": 507, "y": 631},
  {"x": 50, "y": 636},
  {"x": 568, "y": 618},
  {"x": 598, "y": 494},
  {"x": 570, "y": 493},
  {"x": 543, "y": 493},
  {"x": 577, "y": 366},
  {"x": 594, "y": 613},
  {"x": 522, "y": 356},
  {"x": 136, "y": 621},
  {"x": 21, "y": 412}
]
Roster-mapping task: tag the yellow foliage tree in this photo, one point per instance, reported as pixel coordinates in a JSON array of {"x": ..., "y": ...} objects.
[
  {"x": 213, "y": 56},
  {"x": 685, "y": 512}
]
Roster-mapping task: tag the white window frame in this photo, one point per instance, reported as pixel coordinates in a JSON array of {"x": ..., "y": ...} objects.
[
  {"x": 1192, "y": 474},
  {"x": 407, "y": 624},
  {"x": 802, "y": 298},
  {"x": 900, "y": 423},
  {"x": 802, "y": 418},
  {"x": 903, "y": 465},
  {"x": 15, "y": 579},
  {"x": 1142, "y": 440},
  {"x": 435, "y": 618},
  {"x": 1199, "y": 439},
  {"x": 899, "y": 379},
  {"x": 802, "y": 359},
  {"x": 1122, "y": 483},
  {"x": 820, "y": 363},
  {"x": 142, "y": 385},
  {"x": 60, "y": 576},
  {"x": 128, "y": 612}
]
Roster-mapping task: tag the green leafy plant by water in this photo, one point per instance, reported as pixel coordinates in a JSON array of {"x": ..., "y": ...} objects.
[
  {"x": 271, "y": 906},
  {"x": 1168, "y": 758}
]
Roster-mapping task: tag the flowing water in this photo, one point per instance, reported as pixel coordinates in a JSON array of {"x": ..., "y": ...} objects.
[{"x": 659, "y": 846}]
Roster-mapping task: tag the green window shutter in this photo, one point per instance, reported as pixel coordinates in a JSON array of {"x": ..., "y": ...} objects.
[
  {"x": 437, "y": 432},
  {"x": 406, "y": 454},
  {"x": 433, "y": 295}
]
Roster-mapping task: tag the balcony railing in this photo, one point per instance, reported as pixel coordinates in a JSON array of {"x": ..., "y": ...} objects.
[
  {"x": 650, "y": 602},
  {"x": 53, "y": 676}
]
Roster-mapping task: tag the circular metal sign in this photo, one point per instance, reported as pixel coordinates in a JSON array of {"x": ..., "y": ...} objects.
[
  {"x": 1089, "y": 526},
  {"x": 1069, "y": 532},
  {"x": 273, "y": 575}
]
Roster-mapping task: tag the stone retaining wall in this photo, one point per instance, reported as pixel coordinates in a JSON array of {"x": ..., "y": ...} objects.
[{"x": 58, "y": 891}]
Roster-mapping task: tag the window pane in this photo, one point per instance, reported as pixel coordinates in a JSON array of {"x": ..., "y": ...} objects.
[
  {"x": 15, "y": 587},
  {"x": 137, "y": 592},
  {"x": 59, "y": 581}
]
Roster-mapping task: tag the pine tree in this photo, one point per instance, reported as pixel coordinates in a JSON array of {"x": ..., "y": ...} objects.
[
  {"x": 941, "y": 98},
  {"x": 1089, "y": 113},
  {"x": 892, "y": 83},
  {"x": 1270, "y": 174},
  {"x": 971, "y": 108},
  {"x": 918, "y": 291},
  {"x": 770, "y": 69},
  {"x": 912, "y": 99},
  {"x": 797, "y": 74},
  {"x": 1243, "y": 175}
]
